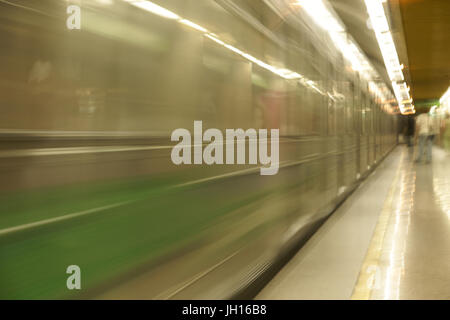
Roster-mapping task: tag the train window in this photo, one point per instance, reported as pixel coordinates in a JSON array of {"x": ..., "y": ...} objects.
[
  {"x": 339, "y": 98},
  {"x": 372, "y": 116},
  {"x": 364, "y": 114},
  {"x": 357, "y": 107},
  {"x": 331, "y": 101},
  {"x": 349, "y": 106},
  {"x": 308, "y": 108}
]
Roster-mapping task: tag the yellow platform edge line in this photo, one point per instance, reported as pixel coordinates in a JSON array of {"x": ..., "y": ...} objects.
[{"x": 366, "y": 278}]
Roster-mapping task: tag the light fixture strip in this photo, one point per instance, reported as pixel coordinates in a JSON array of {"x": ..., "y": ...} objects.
[
  {"x": 165, "y": 13},
  {"x": 325, "y": 18},
  {"x": 322, "y": 15},
  {"x": 386, "y": 43}
]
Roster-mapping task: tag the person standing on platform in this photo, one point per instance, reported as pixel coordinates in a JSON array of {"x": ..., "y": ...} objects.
[
  {"x": 427, "y": 129},
  {"x": 446, "y": 133},
  {"x": 410, "y": 127}
]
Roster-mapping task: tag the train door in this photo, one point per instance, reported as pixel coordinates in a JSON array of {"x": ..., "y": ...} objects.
[
  {"x": 349, "y": 143},
  {"x": 357, "y": 127},
  {"x": 334, "y": 164},
  {"x": 364, "y": 134}
]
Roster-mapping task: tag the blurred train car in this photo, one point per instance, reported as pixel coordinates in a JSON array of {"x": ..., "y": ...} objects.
[{"x": 86, "y": 119}]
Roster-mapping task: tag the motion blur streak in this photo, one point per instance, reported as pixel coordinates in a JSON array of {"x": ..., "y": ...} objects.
[{"x": 86, "y": 122}]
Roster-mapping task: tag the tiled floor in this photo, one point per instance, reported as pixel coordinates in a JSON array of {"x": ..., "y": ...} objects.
[{"x": 389, "y": 240}]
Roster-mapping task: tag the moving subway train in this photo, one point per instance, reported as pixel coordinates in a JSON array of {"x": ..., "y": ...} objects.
[{"x": 89, "y": 99}]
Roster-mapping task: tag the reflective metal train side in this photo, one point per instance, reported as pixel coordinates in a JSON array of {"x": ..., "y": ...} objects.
[{"x": 87, "y": 177}]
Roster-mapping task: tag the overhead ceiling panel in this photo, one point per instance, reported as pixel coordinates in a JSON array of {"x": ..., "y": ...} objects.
[{"x": 426, "y": 25}]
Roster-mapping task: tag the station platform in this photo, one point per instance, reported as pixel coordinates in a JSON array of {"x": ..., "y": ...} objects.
[{"x": 389, "y": 240}]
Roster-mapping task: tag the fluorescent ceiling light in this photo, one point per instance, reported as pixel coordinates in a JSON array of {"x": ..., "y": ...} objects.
[
  {"x": 215, "y": 39},
  {"x": 321, "y": 15},
  {"x": 153, "y": 8},
  {"x": 193, "y": 25},
  {"x": 324, "y": 17},
  {"x": 386, "y": 43}
]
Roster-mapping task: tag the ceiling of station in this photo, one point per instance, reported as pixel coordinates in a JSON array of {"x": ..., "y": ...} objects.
[
  {"x": 421, "y": 30},
  {"x": 426, "y": 25},
  {"x": 353, "y": 14}
]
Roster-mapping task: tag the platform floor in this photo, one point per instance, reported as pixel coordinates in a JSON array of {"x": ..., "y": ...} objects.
[{"x": 389, "y": 240}]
